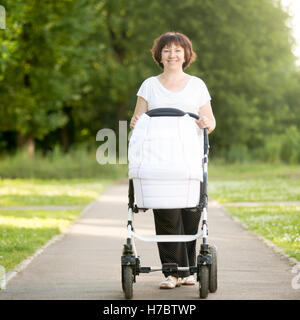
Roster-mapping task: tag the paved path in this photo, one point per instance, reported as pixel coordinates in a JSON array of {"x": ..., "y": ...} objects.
[{"x": 85, "y": 263}]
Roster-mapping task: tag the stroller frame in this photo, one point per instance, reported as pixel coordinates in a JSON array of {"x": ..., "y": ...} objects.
[{"x": 206, "y": 267}]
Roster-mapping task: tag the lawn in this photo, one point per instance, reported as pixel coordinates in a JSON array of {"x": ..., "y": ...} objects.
[
  {"x": 259, "y": 183},
  {"x": 279, "y": 224},
  {"x": 18, "y": 192},
  {"x": 253, "y": 182},
  {"x": 22, "y": 232}
]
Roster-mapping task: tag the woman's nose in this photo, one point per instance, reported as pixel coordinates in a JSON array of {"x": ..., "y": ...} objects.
[{"x": 172, "y": 53}]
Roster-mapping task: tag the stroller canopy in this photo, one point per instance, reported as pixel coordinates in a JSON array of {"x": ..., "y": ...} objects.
[{"x": 165, "y": 161}]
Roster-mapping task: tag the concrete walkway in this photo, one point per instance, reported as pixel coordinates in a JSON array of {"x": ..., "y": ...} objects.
[{"x": 85, "y": 263}]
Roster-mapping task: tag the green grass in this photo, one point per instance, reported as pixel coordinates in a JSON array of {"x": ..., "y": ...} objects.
[
  {"x": 18, "y": 192},
  {"x": 22, "y": 232},
  {"x": 254, "y": 182},
  {"x": 258, "y": 182},
  {"x": 279, "y": 224},
  {"x": 255, "y": 189}
]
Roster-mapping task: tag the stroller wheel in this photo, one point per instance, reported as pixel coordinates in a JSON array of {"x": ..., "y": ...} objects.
[
  {"x": 204, "y": 281},
  {"x": 213, "y": 279},
  {"x": 127, "y": 281}
]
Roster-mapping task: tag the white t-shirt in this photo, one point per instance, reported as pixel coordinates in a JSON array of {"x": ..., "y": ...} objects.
[{"x": 193, "y": 96}]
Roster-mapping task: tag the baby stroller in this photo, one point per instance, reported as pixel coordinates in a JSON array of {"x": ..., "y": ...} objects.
[{"x": 145, "y": 178}]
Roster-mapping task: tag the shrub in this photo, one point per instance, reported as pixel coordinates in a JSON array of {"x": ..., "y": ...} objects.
[
  {"x": 271, "y": 150},
  {"x": 238, "y": 153},
  {"x": 290, "y": 151},
  {"x": 78, "y": 163}
]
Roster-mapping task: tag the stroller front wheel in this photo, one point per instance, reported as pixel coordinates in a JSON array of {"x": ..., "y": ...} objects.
[
  {"x": 127, "y": 281},
  {"x": 204, "y": 281}
]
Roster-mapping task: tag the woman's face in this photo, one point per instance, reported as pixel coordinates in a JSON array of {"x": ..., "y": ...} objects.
[{"x": 172, "y": 56}]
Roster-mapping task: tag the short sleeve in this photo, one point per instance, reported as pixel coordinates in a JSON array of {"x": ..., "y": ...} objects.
[
  {"x": 144, "y": 90},
  {"x": 204, "y": 95}
]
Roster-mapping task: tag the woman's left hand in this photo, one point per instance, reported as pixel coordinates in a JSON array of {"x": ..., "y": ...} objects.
[{"x": 204, "y": 122}]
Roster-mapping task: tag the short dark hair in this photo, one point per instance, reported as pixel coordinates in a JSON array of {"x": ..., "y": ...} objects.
[{"x": 166, "y": 39}]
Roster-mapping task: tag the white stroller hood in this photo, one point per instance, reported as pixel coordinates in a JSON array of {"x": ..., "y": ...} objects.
[{"x": 165, "y": 162}]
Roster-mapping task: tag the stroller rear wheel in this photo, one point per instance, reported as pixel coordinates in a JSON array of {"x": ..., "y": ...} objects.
[
  {"x": 204, "y": 281},
  {"x": 127, "y": 281}
]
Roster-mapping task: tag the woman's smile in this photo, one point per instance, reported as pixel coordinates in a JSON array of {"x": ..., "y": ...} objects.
[{"x": 172, "y": 55}]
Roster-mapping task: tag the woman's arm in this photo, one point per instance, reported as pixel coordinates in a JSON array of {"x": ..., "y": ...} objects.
[
  {"x": 207, "y": 119},
  {"x": 140, "y": 108}
]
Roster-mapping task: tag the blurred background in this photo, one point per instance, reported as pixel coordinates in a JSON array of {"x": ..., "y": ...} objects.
[{"x": 69, "y": 68}]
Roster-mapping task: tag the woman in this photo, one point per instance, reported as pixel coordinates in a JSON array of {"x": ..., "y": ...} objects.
[{"x": 173, "y": 52}]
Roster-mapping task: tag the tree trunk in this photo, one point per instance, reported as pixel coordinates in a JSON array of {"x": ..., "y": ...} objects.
[
  {"x": 122, "y": 112},
  {"x": 64, "y": 139},
  {"x": 26, "y": 143}
]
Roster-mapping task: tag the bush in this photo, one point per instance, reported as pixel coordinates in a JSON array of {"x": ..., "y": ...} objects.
[
  {"x": 277, "y": 148},
  {"x": 290, "y": 150},
  {"x": 238, "y": 153},
  {"x": 271, "y": 150}
]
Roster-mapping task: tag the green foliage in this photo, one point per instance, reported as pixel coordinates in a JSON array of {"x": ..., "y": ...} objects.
[
  {"x": 44, "y": 63},
  {"x": 70, "y": 68},
  {"x": 238, "y": 153},
  {"x": 290, "y": 151},
  {"x": 271, "y": 150}
]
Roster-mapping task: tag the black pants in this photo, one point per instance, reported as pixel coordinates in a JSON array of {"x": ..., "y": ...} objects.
[{"x": 177, "y": 221}]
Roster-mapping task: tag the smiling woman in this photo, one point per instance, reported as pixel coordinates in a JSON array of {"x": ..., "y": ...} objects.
[
  {"x": 173, "y": 88},
  {"x": 173, "y": 52}
]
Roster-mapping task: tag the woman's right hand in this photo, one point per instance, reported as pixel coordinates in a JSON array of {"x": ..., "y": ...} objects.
[{"x": 133, "y": 121}]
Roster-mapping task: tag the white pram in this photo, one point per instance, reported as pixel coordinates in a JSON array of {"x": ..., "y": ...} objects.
[{"x": 168, "y": 157}]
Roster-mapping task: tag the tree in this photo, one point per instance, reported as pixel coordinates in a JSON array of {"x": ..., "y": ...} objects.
[
  {"x": 46, "y": 68},
  {"x": 73, "y": 67}
]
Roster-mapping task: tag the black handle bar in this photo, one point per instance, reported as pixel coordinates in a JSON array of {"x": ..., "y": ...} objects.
[{"x": 169, "y": 112}]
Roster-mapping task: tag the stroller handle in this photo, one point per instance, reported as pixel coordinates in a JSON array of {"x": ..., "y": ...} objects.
[
  {"x": 169, "y": 112},
  {"x": 173, "y": 112}
]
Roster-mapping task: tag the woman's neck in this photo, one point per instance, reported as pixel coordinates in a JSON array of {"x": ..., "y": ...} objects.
[{"x": 174, "y": 74}]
